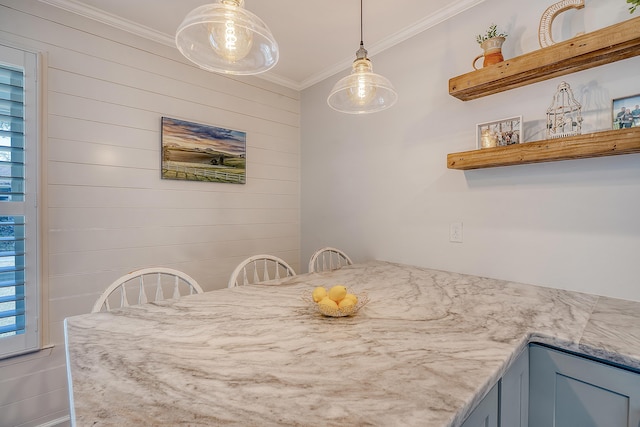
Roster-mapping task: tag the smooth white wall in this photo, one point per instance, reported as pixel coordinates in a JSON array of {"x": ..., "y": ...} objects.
[
  {"x": 105, "y": 209},
  {"x": 377, "y": 186}
]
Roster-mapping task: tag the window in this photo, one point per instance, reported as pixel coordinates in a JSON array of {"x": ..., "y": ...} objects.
[{"x": 19, "y": 290}]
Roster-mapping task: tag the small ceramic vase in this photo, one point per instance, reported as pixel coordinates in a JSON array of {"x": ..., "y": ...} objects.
[{"x": 492, "y": 52}]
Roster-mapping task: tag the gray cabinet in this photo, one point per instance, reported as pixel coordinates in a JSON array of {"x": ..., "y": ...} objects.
[
  {"x": 514, "y": 393},
  {"x": 486, "y": 413},
  {"x": 546, "y": 387},
  {"x": 508, "y": 401},
  {"x": 567, "y": 391}
]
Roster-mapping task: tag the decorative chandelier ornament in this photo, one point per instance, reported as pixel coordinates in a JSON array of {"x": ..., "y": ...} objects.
[
  {"x": 564, "y": 116},
  {"x": 362, "y": 91},
  {"x": 224, "y": 37}
]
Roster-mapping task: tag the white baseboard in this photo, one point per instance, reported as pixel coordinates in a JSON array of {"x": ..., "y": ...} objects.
[{"x": 66, "y": 420}]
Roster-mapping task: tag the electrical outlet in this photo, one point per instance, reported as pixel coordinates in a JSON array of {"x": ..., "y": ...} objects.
[{"x": 455, "y": 232}]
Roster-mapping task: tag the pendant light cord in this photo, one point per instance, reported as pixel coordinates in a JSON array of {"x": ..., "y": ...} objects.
[
  {"x": 362, "y": 91},
  {"x": 361, "y": 37}
]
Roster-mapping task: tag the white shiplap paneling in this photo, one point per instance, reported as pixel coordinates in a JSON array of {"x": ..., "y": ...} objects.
[{"x": 108, "y": 211}]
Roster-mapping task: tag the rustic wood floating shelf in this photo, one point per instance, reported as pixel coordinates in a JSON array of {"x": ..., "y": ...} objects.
[
  {"x": 610, "y": 44},
  {"x": 599, "y": 144}
]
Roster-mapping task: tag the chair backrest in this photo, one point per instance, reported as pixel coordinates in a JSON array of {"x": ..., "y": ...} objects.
[
  {"x": 260, "y": 268},
  {"x": 154, "y": 281},
  {"x": 327, "y": 259}
]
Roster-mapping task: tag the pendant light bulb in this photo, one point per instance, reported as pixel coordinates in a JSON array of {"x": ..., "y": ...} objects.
[
  {"x": 224, "y": 37},
  {"x": 362, "y": 91},
  {"x": 230, "y": 41}
]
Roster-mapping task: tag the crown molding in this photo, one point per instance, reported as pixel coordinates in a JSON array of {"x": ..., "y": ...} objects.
[
  {"x": 415, "y": 29},
  {"x": 424, "y": 24},
  {"x": 115, "y": 21},
  {"x": 273, "y": 77}
]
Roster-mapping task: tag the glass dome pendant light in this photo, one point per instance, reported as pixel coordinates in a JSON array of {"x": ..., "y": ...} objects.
[
  {"x": 224, "y": 37},
  {"x": 362, "y": 91}
]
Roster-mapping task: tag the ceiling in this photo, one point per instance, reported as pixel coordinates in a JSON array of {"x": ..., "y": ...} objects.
[{"x": 317, "y": 39}]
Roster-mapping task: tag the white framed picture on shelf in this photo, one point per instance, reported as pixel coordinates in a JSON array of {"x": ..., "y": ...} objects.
[{"x": 499, "y": 133}]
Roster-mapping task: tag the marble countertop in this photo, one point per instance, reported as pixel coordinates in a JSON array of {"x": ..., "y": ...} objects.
[{"x": 424, "y": 350}]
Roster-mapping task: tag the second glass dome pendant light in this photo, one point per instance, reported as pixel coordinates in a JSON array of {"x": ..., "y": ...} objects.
[
  {"x": 362, "y": 91},
  {"x": 224, "y": 37}
]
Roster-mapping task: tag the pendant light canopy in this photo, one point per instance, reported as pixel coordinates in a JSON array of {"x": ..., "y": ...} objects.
[
  {"x": 224, "y": 37},
  {"x": 362, "y": 91}
]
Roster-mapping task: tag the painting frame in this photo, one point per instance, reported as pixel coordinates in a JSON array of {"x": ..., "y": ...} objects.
[
  {"x": 621, "y": 119},
  {"x": 200, "y": 152},
  {"x": 498, "y": 133}
]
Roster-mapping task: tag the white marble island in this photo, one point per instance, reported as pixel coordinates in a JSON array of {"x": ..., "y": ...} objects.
[{"x": 422, "y": 352}]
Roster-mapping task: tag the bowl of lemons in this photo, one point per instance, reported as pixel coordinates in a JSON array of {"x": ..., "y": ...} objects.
[{"x": 337, "y": 301}]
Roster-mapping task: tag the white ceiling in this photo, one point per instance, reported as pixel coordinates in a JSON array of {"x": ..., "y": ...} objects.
[{"x": 317, "y": 39}]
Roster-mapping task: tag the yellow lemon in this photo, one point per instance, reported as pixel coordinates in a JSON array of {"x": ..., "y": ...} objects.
[
  {"x": 337, "y": 293},
  {"x": 346, "y": 304},
  {"x": 319, "y": 293},
  {"x": 328, "y": 303},
  {"x": 352, "y": 297}
]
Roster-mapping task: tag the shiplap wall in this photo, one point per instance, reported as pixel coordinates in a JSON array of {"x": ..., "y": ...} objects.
[{"x": 105, "y": 209}]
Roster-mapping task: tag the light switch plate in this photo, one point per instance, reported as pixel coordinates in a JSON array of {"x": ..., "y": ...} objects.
[{"x": 455, "y": 232}]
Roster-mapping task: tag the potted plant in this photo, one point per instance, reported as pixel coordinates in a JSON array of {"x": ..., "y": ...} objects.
[
  {"x": 634, "y": 3},
  {"x": 492, "y": 32},
  {"x": 491, "y": 42}
]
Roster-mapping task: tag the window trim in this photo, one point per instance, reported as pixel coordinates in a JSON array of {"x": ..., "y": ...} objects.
[{"x": 31, "y": 339}]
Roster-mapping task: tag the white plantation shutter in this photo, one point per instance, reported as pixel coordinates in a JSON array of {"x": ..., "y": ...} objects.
[{"x": 19, "y": 290}]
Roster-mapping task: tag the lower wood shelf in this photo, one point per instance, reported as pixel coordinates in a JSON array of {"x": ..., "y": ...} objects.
[{"x": 606, "y": 143}]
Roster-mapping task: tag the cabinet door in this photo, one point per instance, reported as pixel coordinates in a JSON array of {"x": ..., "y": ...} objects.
[
  {"x": 567, "y": 391},
  {"x": 486, "y": 413},
  {"x": 514, "y": 393}
]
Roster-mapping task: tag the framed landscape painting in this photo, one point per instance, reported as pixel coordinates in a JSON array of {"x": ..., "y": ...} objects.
[{"x": 197, "y": 152}]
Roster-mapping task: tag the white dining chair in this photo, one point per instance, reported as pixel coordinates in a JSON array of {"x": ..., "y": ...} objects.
[
  {"x": 260, "y": 268},
  {"x": 327, "y": 259},
  {"x": 136, "y": 285}
]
